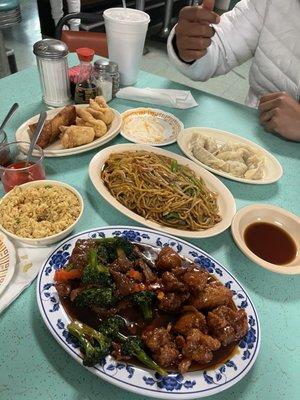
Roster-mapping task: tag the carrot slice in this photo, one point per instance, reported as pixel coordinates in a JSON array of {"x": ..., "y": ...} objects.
[
  {"x": 134, "y": 274},
  {"x": 138, "y": 287},
  {"x": 160, "y": 295},
  {"x": 64, "y": 275}
]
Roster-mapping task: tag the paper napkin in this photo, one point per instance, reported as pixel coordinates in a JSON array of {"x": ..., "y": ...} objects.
[
  {"x": 163, "y": 97},
  {"x": 28, "y": 263}
]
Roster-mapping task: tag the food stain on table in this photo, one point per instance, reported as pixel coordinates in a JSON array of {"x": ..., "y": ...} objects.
[{"x": 271, "y": 243}]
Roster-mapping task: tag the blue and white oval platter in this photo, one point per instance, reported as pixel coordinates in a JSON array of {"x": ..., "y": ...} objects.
[{"x": 139, "y": 380}]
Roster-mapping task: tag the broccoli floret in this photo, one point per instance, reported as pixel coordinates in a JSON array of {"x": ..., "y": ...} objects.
[
  {"x": 112, "y": 326},
  {"x": 102, "y": 254},
  {"x": 102, "y": 297},
  {"x": 93, "y": 344},
  {"x": 124, "y": 248},
  {"x": 95, "y": 273},
  {"x": 115, "y": 248},
  {"x": 131, "y": 345},
  {"x": 144, "y": 301}
]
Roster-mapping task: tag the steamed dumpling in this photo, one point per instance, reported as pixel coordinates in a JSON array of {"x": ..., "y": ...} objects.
[
  {"x": 235, "y": 168},
  {"x": 198, "y": 139},
  {"x": 229, "y": 146},
  {"x": 244, "y": 150},
  {"x": 210, "y": 145},
  {"x": 255, "y": 173},
  {"x": 254, "y": 160},
  {"x": 232, "y": 155},
  {"x": 206, "y": 157}
]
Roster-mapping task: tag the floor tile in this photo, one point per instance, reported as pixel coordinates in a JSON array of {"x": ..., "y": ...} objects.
[{"x": 22, "y": 36}]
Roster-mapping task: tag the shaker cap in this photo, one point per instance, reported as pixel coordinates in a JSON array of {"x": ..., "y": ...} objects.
[
  {"x": 85, "y": 54},
  {"x": 113, "y": 67},
  {"x": 102, "y": 65},
  {"x": 50, "y": 48}
]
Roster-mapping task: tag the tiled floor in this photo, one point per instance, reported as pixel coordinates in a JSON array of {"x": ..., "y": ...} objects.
[
  {"x": 22, "y": 37},
  {"x": 233, "y": 86}
]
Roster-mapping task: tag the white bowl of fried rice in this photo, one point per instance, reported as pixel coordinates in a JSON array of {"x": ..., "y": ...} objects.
[{"x": 40, "y": 213}]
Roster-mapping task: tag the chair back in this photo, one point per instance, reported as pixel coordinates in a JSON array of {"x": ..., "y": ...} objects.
[
  {"x": 75, "y": 39},
  {"x": 93, "y": 40}
]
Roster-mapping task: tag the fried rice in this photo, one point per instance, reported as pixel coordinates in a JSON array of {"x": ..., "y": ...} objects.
[{"x": 38, "y": 212}]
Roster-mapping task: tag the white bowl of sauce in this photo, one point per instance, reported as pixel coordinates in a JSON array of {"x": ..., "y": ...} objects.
[{"x": 269, "y": 236}]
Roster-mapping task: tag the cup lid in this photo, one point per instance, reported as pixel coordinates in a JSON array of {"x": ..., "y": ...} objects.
[
  {"x": 50, "y": 48},
  {"x": 128, "y": 16},
  {"x": 85, "y": 54}
]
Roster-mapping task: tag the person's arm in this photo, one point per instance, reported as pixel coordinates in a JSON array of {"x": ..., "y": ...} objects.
[{"x": 234, "y": 42}]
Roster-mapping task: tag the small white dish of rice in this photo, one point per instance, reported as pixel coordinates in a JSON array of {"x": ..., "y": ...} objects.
[{"x": 40, "y": 213}]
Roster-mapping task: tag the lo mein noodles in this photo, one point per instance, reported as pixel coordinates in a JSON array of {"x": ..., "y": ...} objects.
[{"x": 159, "y": 189}]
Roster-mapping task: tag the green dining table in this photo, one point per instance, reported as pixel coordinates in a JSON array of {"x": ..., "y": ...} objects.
[{"x": 33, "y": 365}]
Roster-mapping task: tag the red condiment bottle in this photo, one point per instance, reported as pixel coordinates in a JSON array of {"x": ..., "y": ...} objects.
[{"x": 85, "y": 89}]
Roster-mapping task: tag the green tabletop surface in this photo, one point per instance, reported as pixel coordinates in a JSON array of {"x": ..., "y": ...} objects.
[{"x": 32, "y": 364}]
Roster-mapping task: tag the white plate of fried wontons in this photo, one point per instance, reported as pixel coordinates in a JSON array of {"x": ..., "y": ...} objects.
[{"x": 74, "y": 129}]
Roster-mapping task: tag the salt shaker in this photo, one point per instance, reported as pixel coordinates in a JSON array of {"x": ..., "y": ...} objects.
[
  {"x": 103, "y": 80},
  {"x": 51, "y": 55}
]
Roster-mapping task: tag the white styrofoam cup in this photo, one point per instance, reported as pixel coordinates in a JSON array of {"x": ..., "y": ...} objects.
[{"x": 126, "y": 30}]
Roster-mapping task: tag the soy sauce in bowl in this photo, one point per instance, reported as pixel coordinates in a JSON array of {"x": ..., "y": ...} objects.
[{"x": 270, "y": 242}]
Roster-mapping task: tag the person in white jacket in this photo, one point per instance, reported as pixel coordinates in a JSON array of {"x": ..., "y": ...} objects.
[{"x": 203, "y": 45}]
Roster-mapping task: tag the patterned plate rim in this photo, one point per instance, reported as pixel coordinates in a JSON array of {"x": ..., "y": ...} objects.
[
  {"x": 11, "y": 261},
  {"x": 138, "y": 389}
]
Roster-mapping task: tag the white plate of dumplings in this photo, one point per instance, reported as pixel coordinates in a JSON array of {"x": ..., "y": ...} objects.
[{"x": 229, "y": 155}]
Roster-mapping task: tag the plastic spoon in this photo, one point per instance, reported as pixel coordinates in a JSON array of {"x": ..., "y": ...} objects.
[{"x": 36, "y": 135}]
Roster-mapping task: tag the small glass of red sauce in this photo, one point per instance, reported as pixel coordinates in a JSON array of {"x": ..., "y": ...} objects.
[{"x": 14, "y": 170}]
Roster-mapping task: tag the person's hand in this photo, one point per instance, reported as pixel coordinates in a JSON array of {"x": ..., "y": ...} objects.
[
  {"x": 280, "y": 113},
  {"x": 193, "y": 31}
]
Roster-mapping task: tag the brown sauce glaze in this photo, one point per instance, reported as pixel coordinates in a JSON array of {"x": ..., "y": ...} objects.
[{"x": 136, "y": 324}]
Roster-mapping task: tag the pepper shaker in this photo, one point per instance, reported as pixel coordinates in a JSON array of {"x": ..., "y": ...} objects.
[
  {"x": 114, "y": 73},
  {"x": 51, "y": 55}
]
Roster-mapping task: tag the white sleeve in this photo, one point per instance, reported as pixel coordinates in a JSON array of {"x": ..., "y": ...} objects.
[{"x": 234, "y": 42}]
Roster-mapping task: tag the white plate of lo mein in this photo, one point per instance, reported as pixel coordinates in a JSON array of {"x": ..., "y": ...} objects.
[{"x": 162, "y": 190}]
